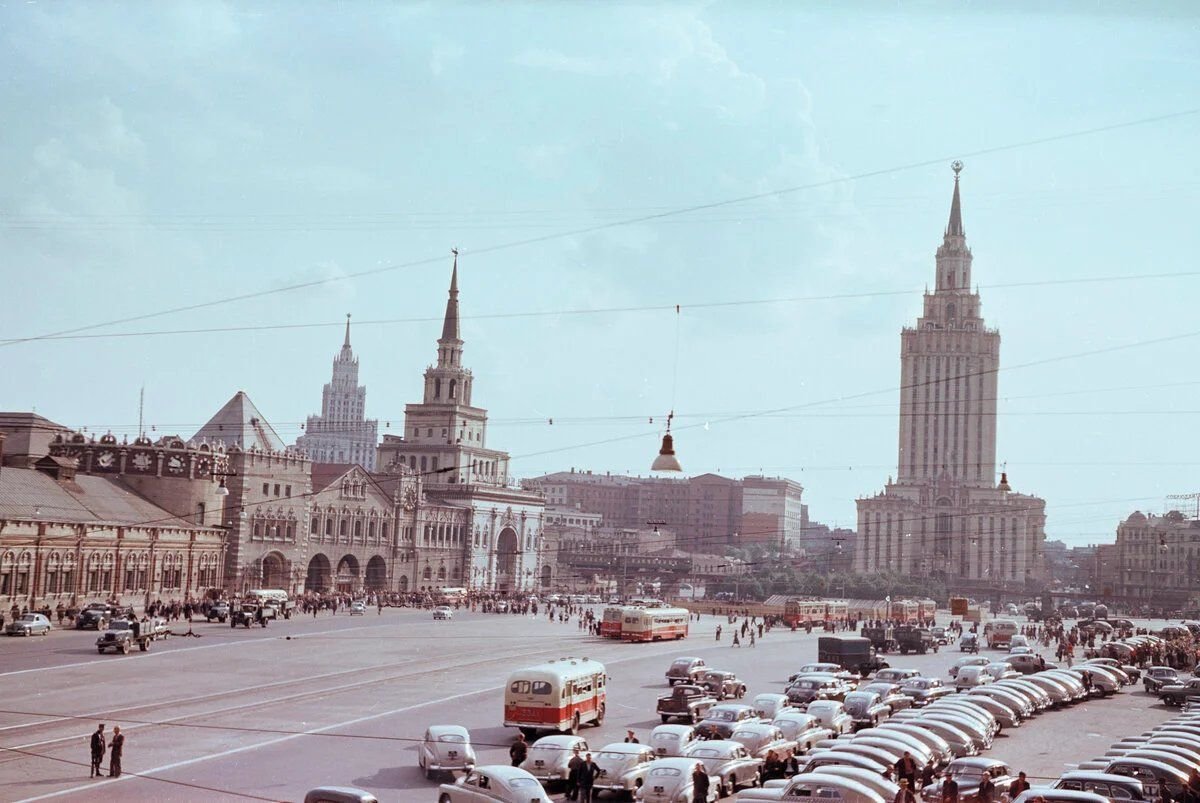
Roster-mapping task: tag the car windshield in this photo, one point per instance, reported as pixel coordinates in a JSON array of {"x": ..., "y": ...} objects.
[
  {"x": 966, "y": 773},
  {"x": 681, "y": 664},
  {"x": 666, "y": 772},
  {"x": 807, "y": 684},
  {"x": 706, "y": 752},
  {"x": 917, "y": 684},
  {"x": 452, "y": 738},
  {"x": 665, "y": 737},
  {"x": 723, "y": 716},
  {"x": 29, "y": 617},
  {"x": 612, "y": 756}
]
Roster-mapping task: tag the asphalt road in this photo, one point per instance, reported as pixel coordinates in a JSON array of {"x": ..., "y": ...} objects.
[{"x": 270, "y": 713}]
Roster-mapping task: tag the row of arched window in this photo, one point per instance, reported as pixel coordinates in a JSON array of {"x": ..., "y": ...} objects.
[
  {"x": 348, "y": 529},
  {"x": 100, "y": 573}
]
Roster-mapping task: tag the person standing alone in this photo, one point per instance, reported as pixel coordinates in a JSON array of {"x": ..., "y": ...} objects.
[
  {"x": 114, "y": 756},
  {"x": 98, "y": 745}
]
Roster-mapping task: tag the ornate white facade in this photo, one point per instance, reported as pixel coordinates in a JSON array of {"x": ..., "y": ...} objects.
[
  {"x": 946, "y": 515},
  {"x": 342, "y": 433}
]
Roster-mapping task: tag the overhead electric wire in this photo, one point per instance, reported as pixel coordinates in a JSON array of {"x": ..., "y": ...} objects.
[{"x": 629, "y": 221}]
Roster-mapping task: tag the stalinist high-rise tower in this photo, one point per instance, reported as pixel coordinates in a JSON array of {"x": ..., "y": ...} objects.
[{"x": 946, "y": 515}]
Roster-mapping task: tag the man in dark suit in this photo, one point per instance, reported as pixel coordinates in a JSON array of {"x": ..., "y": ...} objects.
[
  {"x": 114, "y": 755},
  {"x": 98, "y": 747},
  {"x": 700, "y": 782},
  {"x": 585, "y": 778}
]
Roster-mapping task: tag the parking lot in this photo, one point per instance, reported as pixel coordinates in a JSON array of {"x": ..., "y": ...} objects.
[{"x": 269, "y": 713}]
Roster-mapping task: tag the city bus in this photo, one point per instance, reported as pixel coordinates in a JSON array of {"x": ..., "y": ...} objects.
[
  {"x": 610, "y": 621},
  {"x": 560, "y": 695},
  {"x": 797, "y": 612},
  {"x": 655, "y": 624},
  {"x": 905, "y": 610}
]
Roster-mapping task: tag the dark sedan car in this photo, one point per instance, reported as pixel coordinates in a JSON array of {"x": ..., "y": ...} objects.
[
  {"x": 721, "y": 720},
  {"x": 1158, "y": 676},
  {"x": 817, "y": 687},
  {"x": 97, "y": 615},
  {"x": 924, "y": 691},
  {"x": 968, "y": 774}
]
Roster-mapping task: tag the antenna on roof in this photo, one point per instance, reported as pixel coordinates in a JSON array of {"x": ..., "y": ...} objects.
[{"x": 141, "y": 411}]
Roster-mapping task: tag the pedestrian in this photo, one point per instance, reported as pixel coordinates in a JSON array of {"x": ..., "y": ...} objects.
[
  {"x": 949, "y": 789},
  {"x": 1018, "y": 786},
  {"x": 905, "y": 793},
  {"x": 1192, "y": 790},
  {"x": 700, "y": 784},
  {"x": 573, "y": 767},
  {"x": 987, "y": 788},
  {"x": 98, "y": 747},
  {"x": 906, "y": 769},
  {"x": 736, "y": 643},
  {"x": 718, "y": 632},
  {"x": 926, "y": 775},
  {"x": 587, "y": 779},
  {"x": 114, "y": 755},
  {"x": 519, "y": 750},
  {"x": 631, "y": 737},
  {"x": 751, "y": 638}
]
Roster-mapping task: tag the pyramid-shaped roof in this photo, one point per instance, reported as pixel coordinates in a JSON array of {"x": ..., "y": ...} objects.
[{"x": 239, "y": 423}]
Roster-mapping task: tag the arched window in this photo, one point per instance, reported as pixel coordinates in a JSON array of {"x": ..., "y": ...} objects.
[
  {"x": 329, "y": 526},
  {"x": 454, "y": 388},
  {"x": 950, "y": 312},
  {"x": 383, "y": 531},
  {"x": 357, "y": 530},
  {"x": 437, "y": 388},
  {"x": 427, "y": 574},
  {"x": 344, "y": 528},
  {"x": 441, "y": 573}
]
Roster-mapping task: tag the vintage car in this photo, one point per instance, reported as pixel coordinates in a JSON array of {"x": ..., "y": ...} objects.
[
  {"x": 1180, "y": 693},
  {"x": 1001, "y": 670},
  {"x": 969, "y": 642},
  {"x": 122, "y": 635},
  {"x": 686, "y": 702},
  {"x": 672, "y": 740},
  {"x": 1113, "y": 787},
  {"x": 358, "y": 608},
  {"x": 623, "y": 767},
  {"x": 769, "y": 704},
  {"x": 218, "y": 611},
  {"x": 761, "y": 738},
  {"x": 443, "y": 612},
  {"x": 819, "y": 759},
  {"x": 976, "y": 660},
  {"x": 445, "y": 748},
  {"x": 940, "y": 748},
  {"x": 28, "y": 624},
  {"x": 1058, "y": 691},
  {"x": 922, "y": 752},
  {"x": 339, "y": 794},
  {"x": 802, "y": 728},
  {"x": 97, "y": 615},
  {"x": 832, "y": 715},
  {"x": 723, "y": 719},
  {"x": 823, "y": 669},
  {"x": 670, "y": 781},
  {"x": 494, "y": 784},
  {"x": 816, "y": 687},
  {"x": 247, "y": 614},
  {"x": 723, "y": 684},
  {"x": 923, "y": 691},
  {"x": 548, "y": 756},
  {"x": 978, "y": 734},
  {"x": 821, "y": 784},
  {"x": 968, "y": 774},
  {"x": 1151, "y": 773},
  {"x": 983, "y": 718},
  {"x": 1132, "y": 672},
  {"x": 968, "y": 677},
  {"x": 686, "y": 669},
  {"x": 941, "y": 636},
  {"x": 1006, "y": 716},
  {"x": 729, "y": 761},
  {"x": 895, "y": 674},
  {"x": 866, "y": 708},
  {"x": 890, "y": 694},
  {"x": 1159, "y": 676},
  {"x": 960, "y": 743}
]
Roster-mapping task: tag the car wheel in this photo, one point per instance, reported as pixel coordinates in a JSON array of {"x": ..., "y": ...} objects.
[
  {"x": 100, "y": 650},
  {"x": 444, "y": 799},
  {"x": 733, "y": 784},
  {"x": 125, "y": 648},
  {"x": 600, "y": 715},
  {"x": 574, "y": 729}
]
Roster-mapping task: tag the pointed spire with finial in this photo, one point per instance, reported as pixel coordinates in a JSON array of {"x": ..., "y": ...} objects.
[
  {"x": 346, "y": 343},
  {"x": 450, "y": 329},
  {"x": 955, "y": 227}
]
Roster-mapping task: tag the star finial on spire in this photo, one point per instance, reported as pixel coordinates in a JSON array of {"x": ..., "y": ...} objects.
[
  {"x": 955, "y": 226},
  {"x": 450, "y": 324},
  {"x": 346, "y": 344}
]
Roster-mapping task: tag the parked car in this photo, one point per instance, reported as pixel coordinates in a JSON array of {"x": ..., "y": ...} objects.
[
  {"x": 442, "y": 612},
  {"x": 548, "y": 756},
  {"x": 823, "y": 668},
  {"x": 923, "y": 691},
  {"x": 28, "y": 624},
  {"x": 445, "y": 748},
  {"x": 1006, "y": 716},
  {"x": 921, "y": 751},
  {"x": 723, "y": 719},
  {"x": 968, "y": 773},
  {"x": 723, "y": 684},
  {"x": 494, "y": 784},
  {"x": 1113, "y": 787},
  {"x": 761, "y": 738},
  {"x": 1158, "y": 676},
  {"x": 672, "y": 740},
  {"x": 968, "y": 677},
  {"x": 832, "y": 715},
  {"x": 1001, "y": 670},
  {"x": 686, "y": 669},
  {"x": 817, "y": 687},
  {"x": 729, "y": 761},
  {"x": 358, "y": 608},
  {"x": 937, "y": 745},
  {"x": 623, "y": 767},
  {"x": 686, "y": 702},
  {"x": 218, "y": 611},
  {"x": 1025, "y": 663},
  {"x": 821, "y": 784},
  {"x": 802, "y": 728},
  {"x": 339, "y": 794},
  {"x": 866, "y": 708},
  {"x": 670, "y": 781},
  {"x": 895, "y": 674},
  {"x": 977, "y": 660},
  {"x": 1134, "y": 674},
  {"x": 1179, "y": 693},
  {"x": 890, "y": 694},
  {"x": 769, "y": 704}
]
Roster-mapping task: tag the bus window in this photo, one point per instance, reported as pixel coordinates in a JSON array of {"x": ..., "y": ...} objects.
[
  {"x": 519, "y": 687},
  {"x": 541, "y": 687}
]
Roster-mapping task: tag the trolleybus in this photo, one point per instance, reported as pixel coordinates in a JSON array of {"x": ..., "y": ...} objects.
[
  {"x": 655, "y": 624},
  {"x": 560, "y": 695}
]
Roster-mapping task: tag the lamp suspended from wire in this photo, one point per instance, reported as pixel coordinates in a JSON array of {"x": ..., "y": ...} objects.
[{"x": 666, "y": 460}]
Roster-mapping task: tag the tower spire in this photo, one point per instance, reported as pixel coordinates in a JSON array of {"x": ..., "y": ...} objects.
[
  {"x": 346, "y": 344},
  {"x": 955, "y": 227},
  {"x": 450, "y": 325}
]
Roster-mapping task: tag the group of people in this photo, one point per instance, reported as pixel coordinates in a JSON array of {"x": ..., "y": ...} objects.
[{"x": 115, "y": 749}]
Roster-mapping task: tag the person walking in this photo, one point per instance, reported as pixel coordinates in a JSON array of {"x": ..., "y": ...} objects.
[
  {"x": 718, "y": 632},
  {"x": 98, "y": 748},
  {"x": 1018, "y": 786},
  {"x": 906, "y": 769},
  {"x": 905, "y": 793},
  {"x": 949, "y": 789},
  {"x": 700, "y": 784},
  {"x": 114, "y": 754},
  {"x": 631, "y": 737},
  {"x": 736, "y": 643},
  {"x": 519, "y": 750},
  {"x": 573, "y": 768},
  {"x": 586, "y": 779},
  {"x": 987, "y": 789}
]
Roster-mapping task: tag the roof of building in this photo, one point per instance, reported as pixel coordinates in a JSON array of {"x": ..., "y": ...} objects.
[
  {"x": 22, "y": 420},
  {"x": 450, "y": 330},
  {"x": 239, "y": 423},
  {"x": 31, "y": 494}
]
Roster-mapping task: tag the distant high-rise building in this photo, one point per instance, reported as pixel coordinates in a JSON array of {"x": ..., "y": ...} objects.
[
  {"x": 946, "y": 514},
  {"x": 342, "y": 433}
]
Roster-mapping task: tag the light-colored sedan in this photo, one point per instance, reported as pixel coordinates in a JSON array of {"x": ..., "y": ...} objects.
[
  {"x": 548, "y": 756},
  {"x": 831, "y": 714},
  {"x": 443, "y": 612},
  {"x": 769, "y": 705},
  {"x": 822, "y": 785},
  {"x": 623, "y": 767},
  {"x": 672, "y": 740},
  {"x": 358, "y": 608},
  {"x": 760, "y": 739},
  {"x": 445, "y": 748},
  {"x": 973, "y": 660},
  {"x": 494, "y": 784},
  {"x": 969, "y": 677},
  {"x": 29, "y": 624},
  {"x": 801, "y": 728},
  {"x": 670, "y": 781},
  {"x": 729, "y": 761}
]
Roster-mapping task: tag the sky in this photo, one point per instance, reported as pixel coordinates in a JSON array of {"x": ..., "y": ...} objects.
[{"x": 204, "y": 190}]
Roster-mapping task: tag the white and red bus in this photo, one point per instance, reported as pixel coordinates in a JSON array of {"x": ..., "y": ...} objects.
[
  {"x": 610, "y": 622},
  {"x": 559, "y": 695},
  {"x": 655, "y": 624}
]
